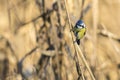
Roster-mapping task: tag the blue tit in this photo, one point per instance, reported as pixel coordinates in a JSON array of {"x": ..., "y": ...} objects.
[{"x": 79, "y": 30}]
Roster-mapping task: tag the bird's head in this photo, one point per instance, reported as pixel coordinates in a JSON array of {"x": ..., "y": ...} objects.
[{"x": 80, "y": 24}]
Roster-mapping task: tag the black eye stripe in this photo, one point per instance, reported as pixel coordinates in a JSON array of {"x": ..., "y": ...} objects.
[
  {"x": 81, "y": 26},
  {"x": 78, "y": 26}
]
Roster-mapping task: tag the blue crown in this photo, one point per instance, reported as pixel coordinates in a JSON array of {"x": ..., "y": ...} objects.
[{"x": 79, "y": 22}]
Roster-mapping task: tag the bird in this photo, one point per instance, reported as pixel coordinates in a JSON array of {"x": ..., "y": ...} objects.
[{"x": 79, "y": 30}]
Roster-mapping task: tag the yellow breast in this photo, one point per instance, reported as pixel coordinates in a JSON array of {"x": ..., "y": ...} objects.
[{"x": 81, "y": 33}]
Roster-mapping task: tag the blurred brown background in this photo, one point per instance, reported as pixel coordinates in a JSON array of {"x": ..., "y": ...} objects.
[{"x": 36, "y": 43}]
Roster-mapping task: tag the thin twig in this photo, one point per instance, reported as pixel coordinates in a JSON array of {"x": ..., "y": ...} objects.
[
  {"x": 84, "y": 61},
  {"x": 76, "y": 58},
  {"x": 78, "y": 49},
  {"x": 111, "y": 37},
  {"x": 106, "y": 33},
  {"x": 95, "y": 24},
  {"x": 81, "y": 17}
]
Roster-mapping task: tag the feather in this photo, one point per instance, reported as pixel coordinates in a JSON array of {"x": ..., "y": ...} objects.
[{"x": 78, "y": 41}]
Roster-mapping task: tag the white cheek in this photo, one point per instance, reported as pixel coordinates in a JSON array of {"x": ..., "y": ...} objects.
[
  {"x": 84, "y": 25},
  {"x": 79, "y": 27}
]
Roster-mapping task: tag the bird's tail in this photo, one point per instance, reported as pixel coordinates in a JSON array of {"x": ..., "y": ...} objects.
[{"x": 78, "y": 41}]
